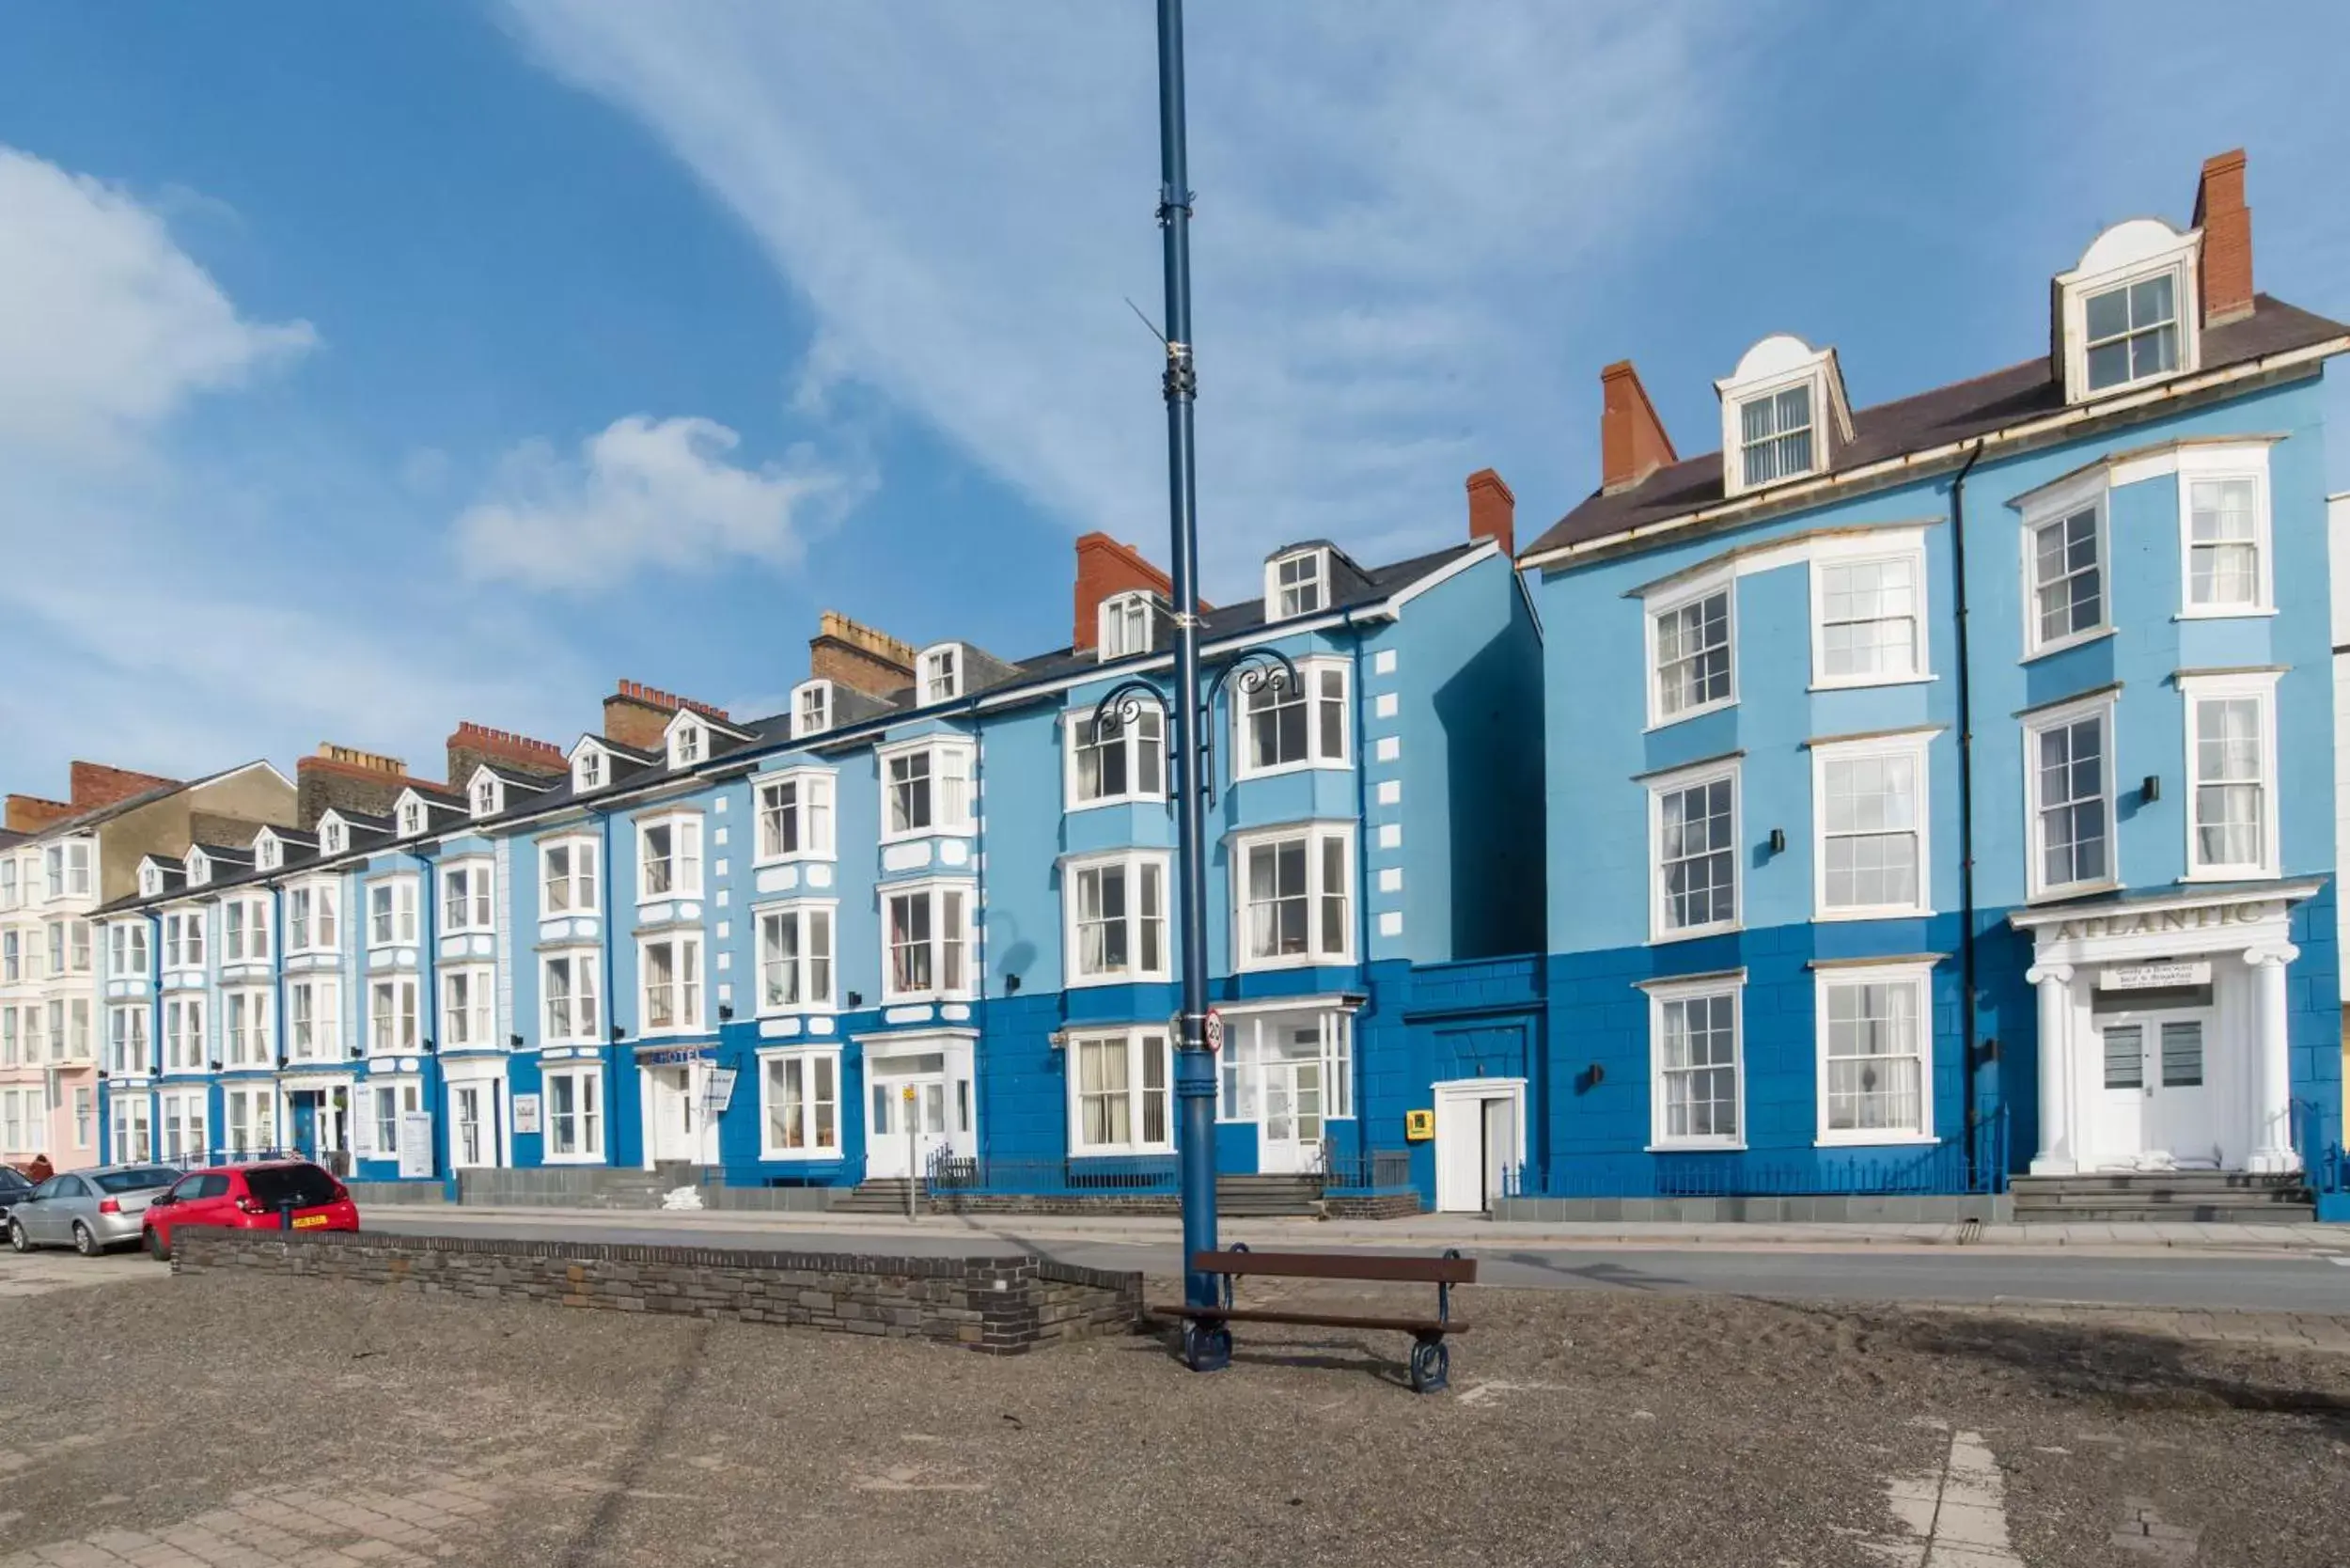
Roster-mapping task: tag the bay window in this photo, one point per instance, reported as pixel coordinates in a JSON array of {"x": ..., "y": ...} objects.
[
  {"x": 670, "y": 971},
  {"x": 243, "y": 931},
  {"x": 183, "y": 939},
  {"x": 567, "y": 876},
  {"x": 314, "y": 1030},
  {"x": 1117, "y": 919},
  {"x": 126, "y": 1040},
  {"x": 1119, "y": 760},
  {"x": 1301, "y": 723},
  {"x": 466, "y": 1001},
  {"x": 568, "y": 985},
  {"x": 183, "y": 1034},
  {"x": 466, "y": 899},
  {"x": 246, "y": 1022},
  {"x": 795, "y": 817},
  {"x": 1119, "y": 1092},
  {"x": 927, "y": 790},
  {"x": 392, "y": 911},
  {"x": 795, "y": 957},
  {"x": 310, "y": 919},
  {"x": 669, "y": 859},
  {"x": 1294, "y": 892},
  {"x": 392, "y": 1014},
  {"x": 926, "y": 933}
]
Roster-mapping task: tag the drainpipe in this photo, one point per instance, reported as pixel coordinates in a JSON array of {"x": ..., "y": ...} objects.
[
  {"x": 429, "y": 998},
  {"x": 607, "y": 1054},
  {"x": 277, "y": 1105},
  {"x": 1966, "y": 989},
  {"x": 1363, "y": 883}
]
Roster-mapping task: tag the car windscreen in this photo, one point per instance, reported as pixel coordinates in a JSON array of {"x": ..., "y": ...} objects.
[
  {"x": 133, "y": 1180},
  {"x": 303, "y": 1185},
  {"x": 11, "y": 1184}
]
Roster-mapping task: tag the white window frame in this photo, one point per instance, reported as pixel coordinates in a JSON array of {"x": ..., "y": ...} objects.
[
  {"x": 1319, "y": 753},
  {"x": 1116, "y": 633},
  {"x": 1674, "y": 783},
  {"x": 808, "y": 1059},
  {"x": 589, "y": 1107},
  {"x": 940, "y": 670},
  {"x": 185, "y": 1048},
  {"x": 405, "y": 1022},
  {"x": 254, "y": 1044},
  {"x": 1814, "y": 386},
  {"x": 1904, "y": 547},
  {"x": 686, "y": 857},
  {"x": 181, "y": 1111},
  {"x": 2185, "y": 296},
  {"x": 2049, "y": 509},
  {"x": 811, "y": 709},
  {"x": 413, "y": 817},
  {"x": 1136, "y": 1046},
  {"x": 400, "y": 908},
  {"x": 1919, "y": 974},
  {"x": 949, "y": 759},
  {"x": 1655, "y": 609},
  {"x": 1664, "y": 995},
  {"x": 2218, "y": 464},
  {"x": 2259, "y": 687},
  {"x": 687, "y": 955},
  {"x": 198, "y": 869},
  {"x": 1284, "y": 600},
  {"x": 815, "y": 802},
  {"x": 467, "y": 1021},
  {"x": 267, "y": 852},
  {"x": 590, "y": 768},
  {"x": 1914, "y": 748},
  {"x": 468, "y": 889},
  {"x": 1318, "y": 837},
  {"x": 323, "y": 996},
  {"x": 183, "y": 939},
  {"x": 10, "y": 897},
  {"x": 689, "y": 742},
  {"x": 129, "y": 1051},
  {"x": 586, "y": 1021},
  {"x": 2103, "y": 706},
  {"x": 126, "y": 949},
  {"x": 321, "y": 923},
  {"x": 577, "y": 845},
  {"x": 245, "y": 931},
  {"x": 1136, "y": 865},
  {"x": 938, "y": 941},
  {"x": 808, "y": 966},
  {"x": 333, "y": 839},
  {"x": 1129, "y": 738}
]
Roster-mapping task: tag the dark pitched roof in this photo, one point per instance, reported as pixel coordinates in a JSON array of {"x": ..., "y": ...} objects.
[
  {"x": 10, "y": 837},
  {"x": 1923, "y": 422}
]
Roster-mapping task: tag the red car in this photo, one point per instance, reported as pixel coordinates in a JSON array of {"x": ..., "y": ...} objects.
[{"x": 250, "y": 1198}]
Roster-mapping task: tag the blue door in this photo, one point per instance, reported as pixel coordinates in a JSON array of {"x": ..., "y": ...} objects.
[{"x": 306, "y": 1125}]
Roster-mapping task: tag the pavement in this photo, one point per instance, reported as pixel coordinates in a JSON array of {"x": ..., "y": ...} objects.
[{"x": 231, "y": 1422}]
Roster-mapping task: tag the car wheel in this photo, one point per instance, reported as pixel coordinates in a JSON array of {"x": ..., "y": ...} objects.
[
  {"x": 84, "y": 1243},
  {"x": 17, "y": 1238},
  {"x": 156, "y": 1247}
]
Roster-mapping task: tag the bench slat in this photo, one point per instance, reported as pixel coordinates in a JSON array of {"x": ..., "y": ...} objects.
[
  {"x": 1316, "y": 1320},
  {"x": 1385, "y": 1267}
]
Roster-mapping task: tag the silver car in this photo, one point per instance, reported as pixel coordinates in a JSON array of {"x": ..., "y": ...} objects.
[{"x": 88, "y": 1210}]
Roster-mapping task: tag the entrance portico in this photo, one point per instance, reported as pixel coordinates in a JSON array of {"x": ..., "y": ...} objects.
[{"x": 2163, "y": 1030}]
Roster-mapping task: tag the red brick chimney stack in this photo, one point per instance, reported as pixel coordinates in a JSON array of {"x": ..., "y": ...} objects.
[
  {"x": 1632, "y": 440},
  {"x": 94, "y": 785},
  {"x": 2226, "y": 273},
  {"x": 1105, "y": 568},
  {"x": 30, "y": 813},
  {"x": 471, "y": 745},
  {"x": 1493, "y": 510},
  {"x": 637, "y": 715}
]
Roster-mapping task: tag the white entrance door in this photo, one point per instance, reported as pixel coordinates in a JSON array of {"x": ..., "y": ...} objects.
[
  {"x": 473, "y": 1132},
  {"x": 908, "y": 1124},
  {"x": 1481, "y": 1138},
  {"x": 2154, "y": 1107},
  {"x": 1292, "y": 1142},
  {"x": 673, "y": 1130}
]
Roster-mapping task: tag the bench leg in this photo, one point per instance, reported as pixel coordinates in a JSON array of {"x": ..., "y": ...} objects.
[
  {"x": 1207, "y": 1346},
  {"x": 1431, "y": 1365}
]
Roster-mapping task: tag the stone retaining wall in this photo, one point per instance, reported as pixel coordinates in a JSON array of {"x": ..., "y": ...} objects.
[
  {"x": 1926, "y": 1208},
  {"x": 1002, "y": 1306}
]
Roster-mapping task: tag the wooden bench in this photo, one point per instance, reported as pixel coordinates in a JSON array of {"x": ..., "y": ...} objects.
[{"x": 1208, "y": 1340}]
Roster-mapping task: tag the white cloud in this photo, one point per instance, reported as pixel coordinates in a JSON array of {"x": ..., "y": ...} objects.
[
  {"x": 1399, "y": 208},
  {"x": 106, "y": 326},
  {"x": 643, "y": 494}
]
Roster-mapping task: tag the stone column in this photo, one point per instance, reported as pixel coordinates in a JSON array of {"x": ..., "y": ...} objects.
[
  {"x": 2055, "y": 1156},
  {"x": 2272, "y": 1073}
]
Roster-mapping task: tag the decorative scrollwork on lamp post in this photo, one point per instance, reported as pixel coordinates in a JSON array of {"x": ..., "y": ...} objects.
[{"x": 1243, "y": 675}]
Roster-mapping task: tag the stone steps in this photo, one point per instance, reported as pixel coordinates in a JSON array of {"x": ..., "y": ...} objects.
[{"x": 2209, "y": 1197}]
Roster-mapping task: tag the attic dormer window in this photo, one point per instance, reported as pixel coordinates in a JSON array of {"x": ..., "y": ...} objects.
[
  {"x": 199, "y": 870},
  {"x": 331, "y": 838},
  {"x": 588, "y": 771},
  {"x": 151, "y": 882},
  {"x": 2133, "y": 331},
  {"x": 265, "y": 854},
  {"x": 811, "y": 709},
  {"x": 687, "y": 745},
  {"x": 941, "y": 675},
  {"x": 1774, "y": 435},
  {"x": 485, "y": 797},
  {"x": 1126, "y": 625},
  {"x": 1300, "y": 584},
  {"x": 411, "y": 819}
]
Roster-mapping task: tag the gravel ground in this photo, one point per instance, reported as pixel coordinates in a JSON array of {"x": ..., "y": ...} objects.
[{"x": 1582, "y": 1429}]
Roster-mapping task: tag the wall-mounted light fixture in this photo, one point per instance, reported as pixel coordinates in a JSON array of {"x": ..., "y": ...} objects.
[
  {"x": 1778, "y": 841},
  {"x": 1011, "y": 985},
  {"x": 726, "y": 1012},
  {"x": 515, "y": 1041},
  {"x": 857, "y": 998},
  {"x": 2151, "y": 789}
]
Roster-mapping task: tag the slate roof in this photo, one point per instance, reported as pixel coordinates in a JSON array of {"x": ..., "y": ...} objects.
[{"x": 1924, "y": 421}]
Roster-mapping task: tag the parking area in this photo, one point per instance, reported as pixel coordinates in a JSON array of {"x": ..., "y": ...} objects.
[
  {"x": 245, "y": 1423},
  {"x": 38, "y": 1273}
]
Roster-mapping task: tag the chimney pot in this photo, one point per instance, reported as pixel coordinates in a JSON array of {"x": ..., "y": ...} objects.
[
  {"x": 2224, "y": 274},
  {"x": 1493, "y": 510},
  {"x": 1632, "y": 440}
]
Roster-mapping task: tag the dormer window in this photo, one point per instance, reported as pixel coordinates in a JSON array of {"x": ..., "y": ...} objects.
[
  {"x": 689, "y": 742},
  {"x": 485, "y": 796},
  {"x": 1125, "y": 626},
  {"x": 411, "y": 818},
  {"x": 199, "y": 868},
  {"x": 266, "y": 855},
  {"x": 941, "y": 675},
  {"x": 588, "y": 771},
  {"x": 1774, "y": 435},
  {"x": 150, "y": 881},
  {"x": 332, "y": 840},
  {"x": 2126, "y": 315},
  {"x": 811, "y": 709},
  {"x": 1299, "y": 584}
]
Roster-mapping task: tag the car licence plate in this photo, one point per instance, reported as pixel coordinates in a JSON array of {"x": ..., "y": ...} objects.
[{"x": 302, "y": 1222}]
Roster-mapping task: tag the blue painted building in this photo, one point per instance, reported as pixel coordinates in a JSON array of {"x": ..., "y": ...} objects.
[
  {"x": 1954, "y": 767},
  {"x": 921, "y": 923}
]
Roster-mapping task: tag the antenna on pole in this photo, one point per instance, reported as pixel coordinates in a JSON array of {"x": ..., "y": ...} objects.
[{"x": 1148, "y": 323}]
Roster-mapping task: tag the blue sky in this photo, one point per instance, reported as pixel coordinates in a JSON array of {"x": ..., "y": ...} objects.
[{"x": 364, "y": 369}]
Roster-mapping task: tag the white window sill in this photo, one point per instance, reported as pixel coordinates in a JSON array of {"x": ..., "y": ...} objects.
[
  {"x": 1081, "y": 982},
  {"x": 1661, "y": 938},
  {"x": 919, "y": 999},
  {"x": 670, "y": 1031},
  {"x": 796, "y": 857},
  {"x": 549, "y": 1159},
  {"x": 1303, "y": 960},
  {"x": 469, "y": 931},
  {"x": 1738, "y": 1147},
  {"x": 944, "y": 830},
  {"x": 1283, "y": 769},
  {"x": 572, "y": 1044},
  {"x": 1684, "y": 716},
  {"x": 1861, "y": 685},
  {"x": 2227, "y": 612},
  {"x": 799, "y": 1156},
  {"x": 798, "y": 1009},
  {"x": 2078, "y": 640},
  {"x": 1138, "y": 1150},
  {"x": 2072, "y": 890},
  {"x": 1872, "y": 1140},
  {"x": 573, "y": 914},
  {"x": 2232, "y": 873},
  {"x": 1896, "y": 912},
  {"x": 674, "y": 895},
  {"x": 1076, "y": 805}
]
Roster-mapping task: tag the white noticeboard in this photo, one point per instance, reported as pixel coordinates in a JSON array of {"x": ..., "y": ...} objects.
[
  {"x": 718, "y": 1094},
  {"x": 416, "y": 1143},
  {"x": 2155, "y": 977},
  {"x": 526, "y": 1113}
]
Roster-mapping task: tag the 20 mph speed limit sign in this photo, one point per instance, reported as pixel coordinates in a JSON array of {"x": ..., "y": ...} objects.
[{"x": 1215, "y": 1031}]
